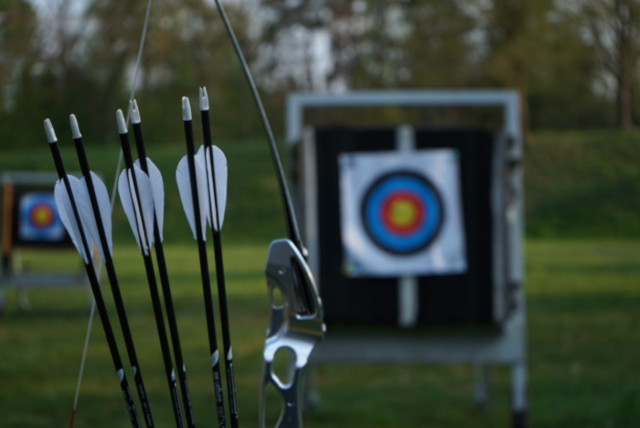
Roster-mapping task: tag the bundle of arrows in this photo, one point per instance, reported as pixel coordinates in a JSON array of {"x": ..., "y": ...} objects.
[{"x": 85, "y": 208}]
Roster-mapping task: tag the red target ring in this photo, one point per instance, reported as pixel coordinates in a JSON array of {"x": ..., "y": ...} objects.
[{"x": 403, "y": 213}]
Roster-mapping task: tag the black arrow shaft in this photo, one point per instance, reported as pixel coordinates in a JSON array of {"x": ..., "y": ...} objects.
[
  {"x": 166, "y": 292},
  {"x": 113, "y": 281},
  {"x": 97, "y": 294},
  {"x": 151, "y": 280},
  {"x": 204, "y": 273},
  {"x": 220, "y": 277},
  {"x": 226, "y": 335}
]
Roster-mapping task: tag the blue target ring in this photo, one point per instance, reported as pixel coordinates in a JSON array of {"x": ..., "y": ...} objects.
[
  {"x": 38, "y": 218},
  {"x": 402, "y": 212}
]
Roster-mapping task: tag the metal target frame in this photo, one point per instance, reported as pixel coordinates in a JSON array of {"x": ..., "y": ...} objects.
[{"x": 505, "y": 347}]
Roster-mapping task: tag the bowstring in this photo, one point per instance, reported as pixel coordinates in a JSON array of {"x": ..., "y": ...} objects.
[{"x": 132, "y": 93}]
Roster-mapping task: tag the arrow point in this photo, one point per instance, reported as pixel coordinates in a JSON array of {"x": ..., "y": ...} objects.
[
  {"x": 122, "y": 125},
  {"x": 135, "y": 113},
  {"x": 75, "y": 129},
  {"x": 204, "y": 99},
  {"x": 186, "y": 109},
  {"x": 48, "y": 130}
]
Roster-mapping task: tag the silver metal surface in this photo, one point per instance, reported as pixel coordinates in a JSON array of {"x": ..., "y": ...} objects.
[
  {"x": 296, "y": 325},
  {"x": 507, "y": 99}
]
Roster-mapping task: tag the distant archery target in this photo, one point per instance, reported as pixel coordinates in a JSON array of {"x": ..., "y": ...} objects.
[
  {"x": 402, "y": 212},
  {"x": 38, "y": 218}
]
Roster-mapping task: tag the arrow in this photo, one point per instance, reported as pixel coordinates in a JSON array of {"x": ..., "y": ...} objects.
[
  {"x": 192, "y": 186},
  {"x": 95, "y": 211},
  {"x": 216, "y": 168},
  {"x": 136, "y": 196},
  {"x": 65, "y": 200},
  {"x": 157, "y": 190}
]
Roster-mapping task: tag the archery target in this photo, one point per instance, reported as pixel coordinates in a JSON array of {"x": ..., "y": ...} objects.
[
  {"x": 38, "y": 218},
  {"x": 401, "y": 213}
]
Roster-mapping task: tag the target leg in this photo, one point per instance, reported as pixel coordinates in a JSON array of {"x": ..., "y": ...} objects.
[
  {"x": 311, "y": 395},
  {"x": 519, "y": 395},
  {"x": 481, "y": 374}
]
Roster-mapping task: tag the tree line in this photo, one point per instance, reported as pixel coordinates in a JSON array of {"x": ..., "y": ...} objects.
[{"x": 575, "y": 61}]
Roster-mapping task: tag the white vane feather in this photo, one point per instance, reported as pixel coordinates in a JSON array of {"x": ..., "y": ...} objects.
[
  {"x": 86, "y": 212},
  {"x": 146, "y": 199},
  {"x": 184, "y": 188},
  {"x": 157, "y": 187},
  {"x": 63, "y": 203},
  {"x": 140, "y": 217},
  {"x": 127, "y": 205},
  {"x": 220, "y": 170}
]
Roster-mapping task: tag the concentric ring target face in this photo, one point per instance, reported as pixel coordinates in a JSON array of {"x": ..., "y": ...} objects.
[
  {"x": 402, "y": 212},
  {"x": 39, "y": 219}
]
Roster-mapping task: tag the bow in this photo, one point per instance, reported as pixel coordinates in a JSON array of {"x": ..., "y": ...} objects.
[{"x": 297, "y": 324}]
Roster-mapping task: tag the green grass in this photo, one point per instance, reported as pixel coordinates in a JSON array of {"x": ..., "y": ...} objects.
[
  {"x": 583, "y": 300},
  {"x": 583, "y": 184}
]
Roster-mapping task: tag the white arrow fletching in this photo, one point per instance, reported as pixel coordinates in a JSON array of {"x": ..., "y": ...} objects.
[
  {"x": 157, "y": 188},
  {"x": 63, "y": 202},
  {"x": 184, "y": 188},
  {"x": 127, "y": 205},
  {"x": 140, "y": 218},
  {"x": 86, "y": 212},
  {"x": 220, "y": 169},
  {"x": 146, "y": 199}
]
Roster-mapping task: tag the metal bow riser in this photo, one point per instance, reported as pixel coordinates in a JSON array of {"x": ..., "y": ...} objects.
[{"x": 296, "y": 324}]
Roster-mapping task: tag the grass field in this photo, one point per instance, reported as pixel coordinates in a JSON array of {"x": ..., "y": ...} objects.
[
  {"x": 583, "y": 300},
  {"x": 582, "y": 282}
]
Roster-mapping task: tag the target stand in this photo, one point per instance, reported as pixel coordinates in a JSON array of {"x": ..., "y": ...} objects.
[
  {"x": 414, "y": 234},
  {"x": 30, "y": 220}
]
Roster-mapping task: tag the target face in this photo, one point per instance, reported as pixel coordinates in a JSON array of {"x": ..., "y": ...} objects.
[
  {"x": 38, "y": 218},
  {"x": 402, "y": 212}
]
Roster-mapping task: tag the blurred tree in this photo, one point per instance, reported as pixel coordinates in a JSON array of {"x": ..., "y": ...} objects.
[
  {"x": 75, "y": 56},
  {"x": 50, "y": 77},
  {"x": 17, "y": 29},
  {"x": 18, "y": 24},
  {"x": 614, "y": 28},
  {"x": 186, "y": 47},
  {"x": 438, "y": 45},
  {"x": 538, "y": 47},
  {"x": 564, "y": 75}
]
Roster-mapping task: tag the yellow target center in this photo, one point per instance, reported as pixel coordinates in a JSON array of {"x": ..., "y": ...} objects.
[
  {"x": 403, "y": 213},
  {"x": 41, "y": 216}
]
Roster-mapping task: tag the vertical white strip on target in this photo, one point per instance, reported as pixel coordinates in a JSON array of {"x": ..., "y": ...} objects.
[{"x": 408, "y": 294}]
